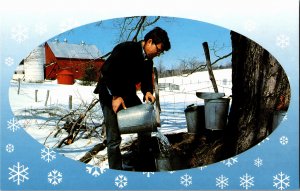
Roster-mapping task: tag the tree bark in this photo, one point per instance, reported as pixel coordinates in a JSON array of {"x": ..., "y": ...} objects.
[{"x": 260, "y": 87}]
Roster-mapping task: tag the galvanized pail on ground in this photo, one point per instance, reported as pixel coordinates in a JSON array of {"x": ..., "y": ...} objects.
[
  {"x": 136, "y": 119},
  {"x": 163, "y": 164},
  {"x": 195, "y": 119},
  {"x": 216, "y": 111}
]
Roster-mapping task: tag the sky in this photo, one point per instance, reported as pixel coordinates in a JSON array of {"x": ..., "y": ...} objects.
[{"x": 186, "y": 37}]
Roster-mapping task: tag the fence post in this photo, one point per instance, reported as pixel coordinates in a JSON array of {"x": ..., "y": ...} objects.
[
  {"x": 209, "y": 68},
  {"x": 19, "y": 84},
  {"x": 157, "y": 103},
  {"x": 47, "y": 97},
  {"x": 70, "y": 102},
  {"x": 35, "y": 95}
]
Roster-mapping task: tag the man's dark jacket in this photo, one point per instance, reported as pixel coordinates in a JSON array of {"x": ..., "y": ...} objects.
[{"x": 124, "y": 68}]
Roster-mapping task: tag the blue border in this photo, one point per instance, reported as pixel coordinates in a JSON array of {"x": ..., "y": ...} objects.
[{"x": 278, "y": 159}]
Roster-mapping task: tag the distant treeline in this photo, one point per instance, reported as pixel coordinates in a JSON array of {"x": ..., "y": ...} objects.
[{"x": 179, "y": 71}]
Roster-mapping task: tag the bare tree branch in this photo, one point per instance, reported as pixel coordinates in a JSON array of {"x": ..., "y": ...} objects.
[
  {"x": 203, "y": 66},
  {"x": 77, "y": 124},
  {"x": 130, "y": 25},
  {"x": 139, "y": 26},
  {"x": 221, "y": 58},
  {"x": 152, "y": 22}
]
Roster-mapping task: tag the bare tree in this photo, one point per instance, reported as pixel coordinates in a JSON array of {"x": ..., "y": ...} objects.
[
  {"x": 260, "y": 89},
  {"x": 193, "y": 65},
  {"x": 130, "y": 28},
  {"x": 160, "y": 69},
  {"x": 189, "y": 65}
]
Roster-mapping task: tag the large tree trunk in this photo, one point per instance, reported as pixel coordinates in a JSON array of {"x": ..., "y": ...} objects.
[{"x": 259, "y": 88}]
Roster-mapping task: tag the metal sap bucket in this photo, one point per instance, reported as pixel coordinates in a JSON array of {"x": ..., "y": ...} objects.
[
  {"x": 136, "y": 119},
  {"x": 195, "y": 119},
  {"x": 216, "y": 111},
  {"x": 163, "y": 164}
]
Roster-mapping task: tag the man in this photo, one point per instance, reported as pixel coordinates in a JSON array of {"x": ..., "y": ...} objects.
[{"x": 129, "y": 63}]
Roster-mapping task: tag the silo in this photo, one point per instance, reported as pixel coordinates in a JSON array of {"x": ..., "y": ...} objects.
[{"x": 34, "y": 65}]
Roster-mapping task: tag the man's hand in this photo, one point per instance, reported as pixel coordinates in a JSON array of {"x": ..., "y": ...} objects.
[
  {"x": 116, "y": 102},
  {"x": 149, "y": 97}
]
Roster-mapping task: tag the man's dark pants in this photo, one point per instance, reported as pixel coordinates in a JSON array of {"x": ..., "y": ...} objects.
[{"x": 112, "y": 131}]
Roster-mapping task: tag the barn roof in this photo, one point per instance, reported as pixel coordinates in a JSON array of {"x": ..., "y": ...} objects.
[{"x": 77, "y": 51}]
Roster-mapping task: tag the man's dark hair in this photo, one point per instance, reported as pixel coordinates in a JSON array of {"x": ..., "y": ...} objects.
[{"x": 158, "y": 35}]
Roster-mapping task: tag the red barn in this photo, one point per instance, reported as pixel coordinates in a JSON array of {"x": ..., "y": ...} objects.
[{"x": 75, "y": 58}]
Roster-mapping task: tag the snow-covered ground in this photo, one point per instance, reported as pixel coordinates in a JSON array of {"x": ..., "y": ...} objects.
[{"x": 40, "y": 120}]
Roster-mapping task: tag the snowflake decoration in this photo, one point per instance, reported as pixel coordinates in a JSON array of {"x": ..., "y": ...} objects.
[
  {"x": 13, "y": 125},
  {"x": 47, "y": 155},
  {"x": 18, "y": 173},
  {"x": 186, "y": 180},
  {"x": 95, "y": 170},
  {"x": 202, "y": 167},
  {"x": 148, "y": 174},
  {"x": 284, "y": 140},
  {"x": 250, "y": 26},
  {"x": 258, "y": 162},
  {"x": 222, "y": 182},
  {"x": 121, "y": 181},
  {"x": 68, "y": 24},
  {"x": 55, "y": 177},
  {"x": 10, "y": 148},
  {"x": 19, "y": 33},
  {"x": 263, "y": 141},
  {"x": 247, "y": 181},
  {"x": 9, "y": 61},
  {"x": 281, "y": 181},
  {"x": 282, "y": 41},
  {"x": 41, "y": 28},
  {"x": 230, "y": 162}
]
